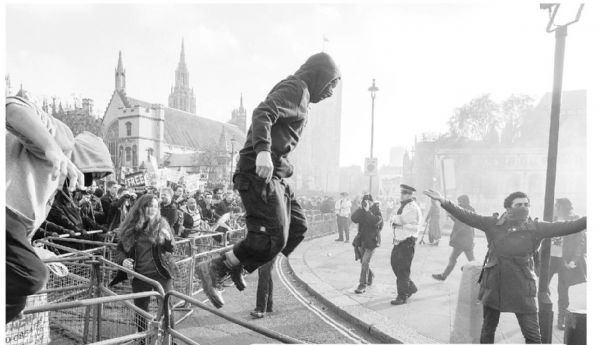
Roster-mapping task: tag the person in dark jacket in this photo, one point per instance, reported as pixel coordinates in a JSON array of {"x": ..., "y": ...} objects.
[
  {"x": 567, "y": 259},
  {"x": 508, "y": 281},
  {"x": 110, "y": 196},
  {"x": 170, "y": 211},
  {"x": 207, "y": 209},
  {"x": 462, "y": 239},
  {"x": 369, "y": 220},
  {"x": 275, "y": 220},
  {"x": 146, "y": 238}
]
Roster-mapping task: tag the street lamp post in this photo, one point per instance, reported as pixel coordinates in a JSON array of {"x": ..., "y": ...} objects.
[
  {"x": 372, "y": 89},
  {"x": 544, "y": 299}
]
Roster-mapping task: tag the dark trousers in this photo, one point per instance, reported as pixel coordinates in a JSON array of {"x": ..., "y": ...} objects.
[
  {"x": 367, "y": 275},
  {"x": 563, "y": 298},
  {"x": 26, "y": 274},
  {"x": 343, "y": 227},
  {"x": 400, "y": 260},
  {"x": 528, "y": 325},
  {"x": 265, "y": 288},
  {"x": 274, "y": 219},
  {"x": 143, "y": 302},
  {"x": 469, "y": 254}
]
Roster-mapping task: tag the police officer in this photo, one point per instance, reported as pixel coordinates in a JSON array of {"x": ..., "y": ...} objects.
[
  {"x": 405, "y": 228},
  {"x": 508, "y": 281}
]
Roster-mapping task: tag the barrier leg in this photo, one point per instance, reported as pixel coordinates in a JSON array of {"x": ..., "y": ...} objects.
[{"x": 468, "y": 315}]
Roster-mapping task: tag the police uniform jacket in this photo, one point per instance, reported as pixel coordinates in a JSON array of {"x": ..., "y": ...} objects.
[{"x": 508, "y": 282}]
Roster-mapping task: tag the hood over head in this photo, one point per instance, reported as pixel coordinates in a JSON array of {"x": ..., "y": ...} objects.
[
  {"x": 317, "y": 72},
  {"x": 91, "y": 155}
]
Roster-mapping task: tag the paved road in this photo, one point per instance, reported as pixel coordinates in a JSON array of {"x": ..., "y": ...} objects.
[{"x": 291, "y": 316}]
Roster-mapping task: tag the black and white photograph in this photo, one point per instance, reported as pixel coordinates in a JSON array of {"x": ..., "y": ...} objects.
[{"x": 307, "y": 172}]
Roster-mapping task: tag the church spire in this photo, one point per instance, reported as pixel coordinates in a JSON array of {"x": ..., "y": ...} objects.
[
  {"x": 182, "y": 96},
  {"x": 120, "y": 75},
  {"x": 182, "y": 55}
]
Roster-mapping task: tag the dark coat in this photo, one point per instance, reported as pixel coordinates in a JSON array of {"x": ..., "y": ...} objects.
[
  {"x": 173, "y": 215},
  {"x": 369, "y": 228},
  {"x": 508, "y": 282},
  {"x": 278, "y": 121},
  {"x": 162, "y": 257},
  {"x": 462, "y": 235}
]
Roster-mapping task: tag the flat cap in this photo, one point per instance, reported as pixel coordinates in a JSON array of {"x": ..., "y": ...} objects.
[
  {"x": 407, "y": 188},
  {"x": 368, "y": 197}
]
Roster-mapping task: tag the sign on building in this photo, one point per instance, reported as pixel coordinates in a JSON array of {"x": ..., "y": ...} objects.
[{"x": 371, "y": 167}]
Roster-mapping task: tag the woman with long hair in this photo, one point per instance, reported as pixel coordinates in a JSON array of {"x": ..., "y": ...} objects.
[{"x": 146, "y": 238}]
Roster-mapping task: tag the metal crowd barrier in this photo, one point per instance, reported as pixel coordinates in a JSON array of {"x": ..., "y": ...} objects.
[{"x": 77, "y": 307}]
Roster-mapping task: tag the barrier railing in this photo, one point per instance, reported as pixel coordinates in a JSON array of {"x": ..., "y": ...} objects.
[
  {"x": 77, "y": 306},
  {"x": 253, "y": 327}
]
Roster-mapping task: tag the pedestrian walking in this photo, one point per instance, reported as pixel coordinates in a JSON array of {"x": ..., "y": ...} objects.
[
  {"x": 264, "y": 291},
  {"x": 405, "y": 227},
  {"x": 567, "y": 259},
  {"x": 369, "y": 221},
  {"x": 433, "y": 221},
  {"x": 462, "y": 239},
  {"x": 275, "y": 220},
  {"x": 508, "y": 281},
  {"x": 343, "y": 213}
]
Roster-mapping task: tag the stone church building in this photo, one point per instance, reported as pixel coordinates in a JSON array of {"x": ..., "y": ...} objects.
[{"x": 136, "y": 130}]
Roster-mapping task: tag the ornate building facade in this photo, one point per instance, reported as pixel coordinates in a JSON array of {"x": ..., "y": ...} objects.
[
  {"x": 135, "y": 130},
  {"x": 182, "y": 96}
]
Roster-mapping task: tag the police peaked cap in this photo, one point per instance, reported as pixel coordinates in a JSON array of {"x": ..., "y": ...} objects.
[{"x": 407, "y": 188}]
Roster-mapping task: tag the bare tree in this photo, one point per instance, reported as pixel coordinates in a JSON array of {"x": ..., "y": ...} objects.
[
  {"x": 476, "y": 119},
  {"x": 514, "y": 109}
]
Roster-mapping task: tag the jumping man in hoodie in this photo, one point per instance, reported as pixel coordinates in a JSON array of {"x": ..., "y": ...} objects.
[{"x": 275, "y": 220}]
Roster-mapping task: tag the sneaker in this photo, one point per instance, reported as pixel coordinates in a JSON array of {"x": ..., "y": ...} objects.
[
  {"x": 257, "y": 314},
  {"x": 211, "y": 273},
  {"x": 438, "y": 277},
  {"x": 237, "y": 275},
  {"x": 399, "y": 300},
  {"x": 339, "y": 240},
  {"x": 346, "y": 241},
  {"x": 360, "y": 289}
]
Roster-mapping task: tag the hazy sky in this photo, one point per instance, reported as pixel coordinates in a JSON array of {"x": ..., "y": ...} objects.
[{"x": 427, "y": 58}]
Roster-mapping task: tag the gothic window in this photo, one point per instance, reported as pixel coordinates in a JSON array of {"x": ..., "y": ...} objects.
[
  {"x": 111, "y": 138},
  {"x": 128, "y": 154},
  {"x": 128, "y": 129},
  {"x": 134, "y": 150}
]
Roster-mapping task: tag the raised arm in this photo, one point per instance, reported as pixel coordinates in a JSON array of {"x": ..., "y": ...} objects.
[
  {"x": 470, "y": 218},
  {"x": 546, "y": 229}
]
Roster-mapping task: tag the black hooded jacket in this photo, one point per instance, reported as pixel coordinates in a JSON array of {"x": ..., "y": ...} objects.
[{"x": 278, "y": 121}]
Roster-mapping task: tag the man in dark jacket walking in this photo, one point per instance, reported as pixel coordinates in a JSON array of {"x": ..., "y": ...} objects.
[
  {"x": 275, "y": 220},
  {"x": 462, "y": 239},
  {"x": 508, "y": 281},
  {"x": 370, "y": 224}
]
